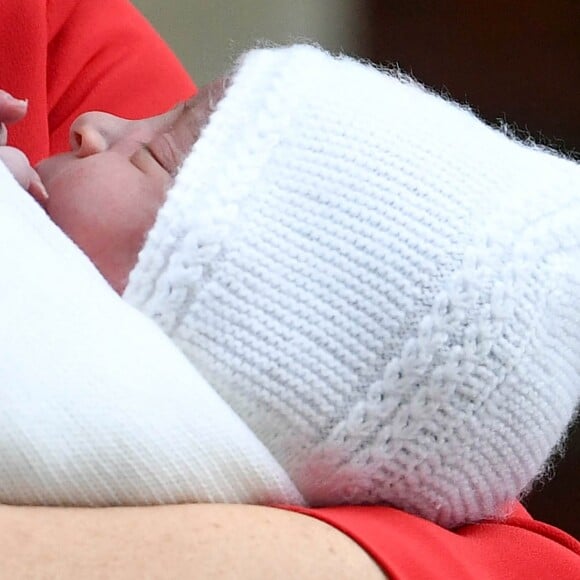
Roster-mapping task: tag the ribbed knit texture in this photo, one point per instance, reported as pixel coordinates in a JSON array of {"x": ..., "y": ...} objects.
[{"x": 386, "y": 290}]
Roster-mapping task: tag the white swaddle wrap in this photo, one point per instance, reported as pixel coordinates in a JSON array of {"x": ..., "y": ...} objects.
[{"x": 97, "y": 407}]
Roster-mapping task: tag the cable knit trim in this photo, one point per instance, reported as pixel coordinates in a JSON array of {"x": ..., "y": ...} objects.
[
  {"x": 192, "y": 228},
  {"x": 444, "y": 355}
]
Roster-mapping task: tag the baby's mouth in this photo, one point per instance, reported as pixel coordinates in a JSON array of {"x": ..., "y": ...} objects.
[{"x": 51, "y": 167}]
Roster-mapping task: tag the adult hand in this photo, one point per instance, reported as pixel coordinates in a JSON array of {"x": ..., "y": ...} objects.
[{"x": 13, "y": 110}]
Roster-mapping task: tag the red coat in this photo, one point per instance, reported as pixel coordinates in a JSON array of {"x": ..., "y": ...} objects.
[{"x": 72, "y": 56}]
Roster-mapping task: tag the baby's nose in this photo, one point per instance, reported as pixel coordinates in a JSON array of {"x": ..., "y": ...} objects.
[{"x": 96, "y": 132}]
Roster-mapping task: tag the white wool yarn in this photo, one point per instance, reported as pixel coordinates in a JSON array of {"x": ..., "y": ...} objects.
[{"x": 385, "y": 289}]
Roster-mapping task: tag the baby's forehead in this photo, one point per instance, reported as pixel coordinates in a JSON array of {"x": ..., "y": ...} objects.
[
  {"x": 192, "y": 116},
  {"x": 210, "y": 94},
  {"x": 190, "y": 103}
]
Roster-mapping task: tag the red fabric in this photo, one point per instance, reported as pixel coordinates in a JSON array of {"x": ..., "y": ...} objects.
[
  {"x": 71, "y": 56},
  {"x": 409, "y": 548}
]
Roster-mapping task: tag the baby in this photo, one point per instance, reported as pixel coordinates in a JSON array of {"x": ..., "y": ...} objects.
[{"x": 382, "y": 287}]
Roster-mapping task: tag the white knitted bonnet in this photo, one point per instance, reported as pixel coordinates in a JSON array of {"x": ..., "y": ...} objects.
[{"x": 385, "y": 289}]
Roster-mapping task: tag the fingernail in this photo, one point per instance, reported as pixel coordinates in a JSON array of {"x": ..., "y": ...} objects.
[{"x": 12, "y": 98}]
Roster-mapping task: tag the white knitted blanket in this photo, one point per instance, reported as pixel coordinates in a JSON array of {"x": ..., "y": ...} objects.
[{"x": 97, "y": 407}]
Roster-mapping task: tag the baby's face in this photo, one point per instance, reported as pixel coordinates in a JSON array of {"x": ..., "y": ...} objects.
[{"x": 105, "y": 193}]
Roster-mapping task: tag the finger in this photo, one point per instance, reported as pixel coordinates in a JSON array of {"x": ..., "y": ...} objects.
[
  {"x": 18, "y": 164},
  {"x": 36, "y": 188},
  {"x": 11, "y": 108},
  {"x": 3, "y": 134}
]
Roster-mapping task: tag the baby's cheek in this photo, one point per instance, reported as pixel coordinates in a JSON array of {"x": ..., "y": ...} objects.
[
  {"x": 107, "y": 206},
  {"x": 127, "y": 232},
  {"x": 108, "y": 220},
  {"x": 115, "y": 237}
]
